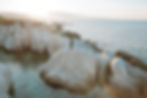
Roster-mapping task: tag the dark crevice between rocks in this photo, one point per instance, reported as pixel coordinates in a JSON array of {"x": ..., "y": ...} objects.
[
  {"x": 48, "y": 82},
  {"x": 11, "y": 90},
  {"x": 71, "y": 35},
  {"x": 24, "y": 56},
  {"x": 94, "y": 46},
  {"x": 134, "y": 61}
]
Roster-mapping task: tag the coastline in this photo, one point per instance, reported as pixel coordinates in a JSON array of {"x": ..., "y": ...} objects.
[{"x": 26, "y": 52}]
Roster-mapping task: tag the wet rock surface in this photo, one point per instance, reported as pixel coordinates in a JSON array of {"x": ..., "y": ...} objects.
[{"x": 44, "y": 64}]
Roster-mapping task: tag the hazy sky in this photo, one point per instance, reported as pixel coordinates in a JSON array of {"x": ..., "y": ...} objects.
[{"x": 117, "y": 9}]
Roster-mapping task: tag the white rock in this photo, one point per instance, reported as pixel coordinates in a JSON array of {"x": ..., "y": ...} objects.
[
  {"x": 71, "y": 70},
  {"x": 127, "y": 80}
]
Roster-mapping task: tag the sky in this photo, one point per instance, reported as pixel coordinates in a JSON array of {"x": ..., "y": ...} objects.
[{"x": 111, "y": 9}]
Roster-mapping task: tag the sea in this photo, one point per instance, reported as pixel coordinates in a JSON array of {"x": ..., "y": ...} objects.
[{"x": 114, "y": 35}]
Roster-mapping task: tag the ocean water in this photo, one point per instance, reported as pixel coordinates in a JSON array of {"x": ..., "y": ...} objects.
[{"x": 113, "y": 35}]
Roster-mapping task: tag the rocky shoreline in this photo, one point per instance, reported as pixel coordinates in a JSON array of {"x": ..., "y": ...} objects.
[{"x": 33, "y": 51}]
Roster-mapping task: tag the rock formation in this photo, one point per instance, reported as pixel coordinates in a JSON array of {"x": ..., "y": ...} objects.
[{"x": 64, "y": 62}]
